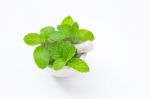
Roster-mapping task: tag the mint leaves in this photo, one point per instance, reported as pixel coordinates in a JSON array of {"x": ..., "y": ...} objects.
[
  {"x": 85, "y": 35},
  {"x": 68, "y": 20},
  {"x": 56, "y": 36},
  {"x": 62, "y": 50},
  {"x": 57, "y": 46},
  {"x": 46, "y": 31},
  {"x": 33, "y": 39},
  {"x": 73, "y": 31},
  {"x": 66, "y": 29},
  {"x": 59, "y": 64},
  {"x": 63, "y": 53},
  {"x": 78, "y": 64},
  {"x": 41, "y": 57}
]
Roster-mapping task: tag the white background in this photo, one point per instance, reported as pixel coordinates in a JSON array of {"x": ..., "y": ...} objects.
[{"x": 120, "y": 62}]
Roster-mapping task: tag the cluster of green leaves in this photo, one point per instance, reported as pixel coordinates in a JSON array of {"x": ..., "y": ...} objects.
[{"x": 56, "y": 48}]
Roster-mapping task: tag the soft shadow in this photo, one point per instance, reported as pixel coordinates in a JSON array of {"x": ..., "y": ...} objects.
[
  {"x": 77, "y": 84},
  {"x": 81, "y": 84}
]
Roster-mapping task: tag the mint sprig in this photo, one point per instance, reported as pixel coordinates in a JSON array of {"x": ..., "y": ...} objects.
[{"x": 57, "y": 45}]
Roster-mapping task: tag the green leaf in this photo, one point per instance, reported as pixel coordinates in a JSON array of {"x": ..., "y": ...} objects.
[
  {"x": 66, "y": 29},
  {"x": 85, "y": 35},
  {"x": 62, "y": 50},
  {"x": 56, "y": 36},
  {"x": 75, "y": 27},
  {"x": 41, "y": 57},
  {"x": 74, "y": 35},
  {"x": 45, "y": 31},
  {"x": 33, "y": 39},
  {"x": 78, "y": 64},
  {"x": 59, "y": 64},
  {"x": 68, "y": 20}
]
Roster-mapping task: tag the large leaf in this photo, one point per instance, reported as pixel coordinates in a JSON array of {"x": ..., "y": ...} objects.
[
  {"x": 68, "y": 20},
  {"x": 59, "y": 64},
  {"x": 78, "y": 64},
  {"x": 56, "y": 36},
  {"x": 62, "y": 50},
  {"x": 33, "y": 39},
  {"x": 41, "y": 57},
  {"x": 85, "y": 35}
]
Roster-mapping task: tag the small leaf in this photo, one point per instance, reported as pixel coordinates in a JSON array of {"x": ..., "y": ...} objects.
[
  {"x": 45, "y": 31},
  {"x": 41, "y": 57},
  {"x": 66, "y": 29},
  {"x": 33, "y": 39},
  {"x": 78, "y": 64},
  {"x": 75, "y": 27},
  {"x": 58, "y": 64},
  {"x": 74, "y": 35},
  {"x": 85, "y": 35},
  {"x": 62, "y": 50},
  {"x": 68, "y": 20},
  {"x": 56, "y": 36}
]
